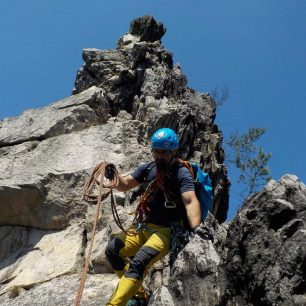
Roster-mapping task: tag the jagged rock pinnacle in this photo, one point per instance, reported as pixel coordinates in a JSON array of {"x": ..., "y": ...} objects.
[{"x": 145, "y": 28}]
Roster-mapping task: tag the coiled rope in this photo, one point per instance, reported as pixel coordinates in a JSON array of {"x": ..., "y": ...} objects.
[{"x": 95, "y": 181}]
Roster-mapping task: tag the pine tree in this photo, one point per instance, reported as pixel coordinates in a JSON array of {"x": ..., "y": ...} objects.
[{"x": 249, "y": 159}]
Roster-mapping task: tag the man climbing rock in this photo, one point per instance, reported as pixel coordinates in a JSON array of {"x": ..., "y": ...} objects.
[{"x": 169, "y": 198}]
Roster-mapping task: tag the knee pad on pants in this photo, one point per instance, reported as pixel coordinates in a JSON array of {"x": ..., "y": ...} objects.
[
  {"x": 112, "y": 253},
  {"x": 140, "y": 262}
]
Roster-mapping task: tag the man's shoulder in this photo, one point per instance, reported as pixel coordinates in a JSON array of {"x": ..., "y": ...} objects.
[
  {"x": 142, "y": 171},
  {"x": 146, "y": 165},
  {"x": 182, "y": 169},
  {"x": 185, "y": 179},
  {"x": 183, "y": 172},
  {"x": 141, "y": 167}
]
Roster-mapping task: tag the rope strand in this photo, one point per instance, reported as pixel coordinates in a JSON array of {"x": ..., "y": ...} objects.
[{"x": 96, "y": 179}]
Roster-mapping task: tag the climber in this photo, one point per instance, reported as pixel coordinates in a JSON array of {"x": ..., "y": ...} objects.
[{"x": 170, "y": 198}]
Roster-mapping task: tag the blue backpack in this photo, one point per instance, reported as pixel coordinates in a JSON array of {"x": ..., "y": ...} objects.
[
  {"x": 203, "y": 186},
  {"x": 203, "y": 189}
]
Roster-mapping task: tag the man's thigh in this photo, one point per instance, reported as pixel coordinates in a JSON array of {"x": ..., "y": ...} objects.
[
  {"x": 156, "y": 247},
  {"x": 159, "y": 240},
  {"x": 158, "y": 244},
  {"x": 131, "y": 243}
]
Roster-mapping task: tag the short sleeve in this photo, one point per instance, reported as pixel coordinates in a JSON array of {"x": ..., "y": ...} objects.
[
  {"x": 186, "y": 182},
  {"x": 139, "y": 173}
]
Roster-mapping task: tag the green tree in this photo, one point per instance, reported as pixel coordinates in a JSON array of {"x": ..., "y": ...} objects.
[
  {"x": 241, "y": 152},
  {"x": 251, "y": 160}
]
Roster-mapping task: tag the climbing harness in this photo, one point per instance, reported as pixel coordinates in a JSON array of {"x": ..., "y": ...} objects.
[
  {"x": 158, "y": 182},
  {"x": 142, "y": 209}
]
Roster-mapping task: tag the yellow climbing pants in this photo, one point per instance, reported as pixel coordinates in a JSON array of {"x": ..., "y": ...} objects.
[{"x": 148, "y": 245}]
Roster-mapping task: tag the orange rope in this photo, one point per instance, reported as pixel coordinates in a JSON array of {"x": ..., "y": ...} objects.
[{"x": 97, "y": 177}]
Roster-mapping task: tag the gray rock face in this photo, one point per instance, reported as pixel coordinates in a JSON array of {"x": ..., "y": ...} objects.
[
  {"x": 196, "y": 277},
  {"x": 121, "y": 96},
  {"x": 41, "y": 186},
  {"x": 61, "y": 291},
  {"x": 266, "y": 258},
  {"x": 30, "y": 256},
  {"x": 139, "y": 78},
  {"x": 46, "y": 154},
  {"x": 72, "y": 114},
  {"x": 43, "y": 167}
]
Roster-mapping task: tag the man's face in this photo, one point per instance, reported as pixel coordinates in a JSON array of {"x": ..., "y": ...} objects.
[{"x": 162, "y": 157}]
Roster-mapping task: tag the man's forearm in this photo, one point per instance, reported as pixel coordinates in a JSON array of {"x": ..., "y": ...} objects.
[
  {"x": 194, "y": 213},
  {"x": 126, "y": 183},
  {"x": 122, "y": 184}
]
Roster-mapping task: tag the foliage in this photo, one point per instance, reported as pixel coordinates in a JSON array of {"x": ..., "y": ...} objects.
[
  {"x": 250, "y": 160},
  {"x": 241, "y": 152}
]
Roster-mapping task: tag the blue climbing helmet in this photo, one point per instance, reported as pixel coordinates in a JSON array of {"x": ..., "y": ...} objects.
[{"x": 164, "y": 139}]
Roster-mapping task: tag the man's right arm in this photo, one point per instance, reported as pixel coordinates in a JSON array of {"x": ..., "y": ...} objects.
[{"x": 126, "y": 183}]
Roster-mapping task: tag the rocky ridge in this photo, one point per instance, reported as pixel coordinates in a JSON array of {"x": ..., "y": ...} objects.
[{"x": 120, "y": 97}]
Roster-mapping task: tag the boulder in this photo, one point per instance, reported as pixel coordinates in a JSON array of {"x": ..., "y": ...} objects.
[
  {"x": 61, "y": 291},
  {"x": 266, "y": 258},
  {"x": 147, "y": 29},
  {"x": 29, "y": 256},
  {"x": 195, "y": 276}
]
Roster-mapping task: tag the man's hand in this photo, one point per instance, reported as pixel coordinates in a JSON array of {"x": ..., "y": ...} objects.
[
  {"x": 110, "y": 170},
  {"x": 204, "y": 232}
]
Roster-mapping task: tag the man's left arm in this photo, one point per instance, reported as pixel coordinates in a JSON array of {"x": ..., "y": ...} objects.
[{"x": 193, "y": 208}]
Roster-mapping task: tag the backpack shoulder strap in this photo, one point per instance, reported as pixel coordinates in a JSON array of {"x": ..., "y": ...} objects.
[
  {"x": 150, "y": 167},
  {"x": 188, "y": 165},
  {"x": 144, "y": 185}
]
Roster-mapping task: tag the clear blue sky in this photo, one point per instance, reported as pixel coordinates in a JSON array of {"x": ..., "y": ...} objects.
[{"x": 258, "y": 48}]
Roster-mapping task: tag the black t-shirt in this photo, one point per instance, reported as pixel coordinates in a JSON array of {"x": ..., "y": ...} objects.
[{"x": 177, "y": 181}]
